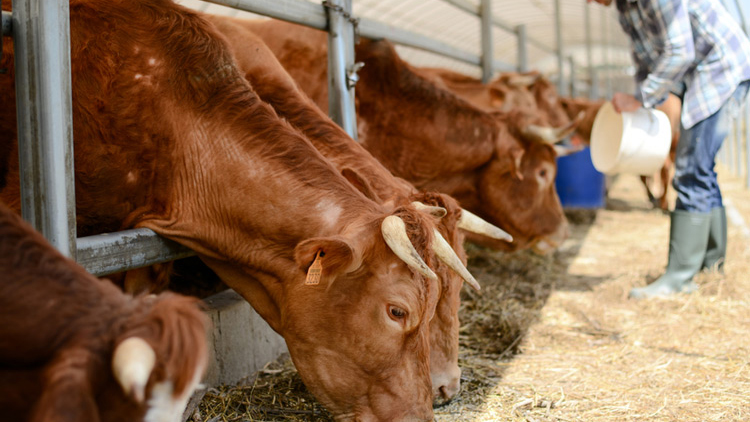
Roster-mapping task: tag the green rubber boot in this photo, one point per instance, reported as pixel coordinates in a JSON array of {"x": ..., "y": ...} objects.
[
  {"x": 717, "y": 242},
  {"x": 688, "y": 239}
]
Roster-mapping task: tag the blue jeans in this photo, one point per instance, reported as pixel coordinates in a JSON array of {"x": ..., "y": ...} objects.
[{"x": 694, "y": 175}]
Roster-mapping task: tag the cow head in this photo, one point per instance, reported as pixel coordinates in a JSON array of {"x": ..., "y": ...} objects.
[
  {"x": 159, "y": 357},
  {"x": 516, "y": 189},
  {"x": 360, "y": 337}
]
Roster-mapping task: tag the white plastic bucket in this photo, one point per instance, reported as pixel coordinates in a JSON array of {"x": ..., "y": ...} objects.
[{"x": 635, "y": 143}]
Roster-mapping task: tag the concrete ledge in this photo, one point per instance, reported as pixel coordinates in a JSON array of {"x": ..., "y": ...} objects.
[{"x": 241, "y": 342}]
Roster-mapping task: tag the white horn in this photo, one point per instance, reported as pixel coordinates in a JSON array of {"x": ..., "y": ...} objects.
[
  {"x": 473, "y": 223},
  {"x": 394, "y": 233},
  {"x": 520, "y": 81},
  {"x": 132, "y": 363},
  {"x": 553, "y": 135},
  {"x": 445, "y": 252},
  {"x": 434, "y": 211}
]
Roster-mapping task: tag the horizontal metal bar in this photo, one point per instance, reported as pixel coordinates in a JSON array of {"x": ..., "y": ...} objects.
[
  {"x": 296, "y": 11},
  {"x": 7, "y": 23},
  {"x": 108, "y": 253},
  {"x": 376, "y": 30},
  {"x": 501, "y": 66}
]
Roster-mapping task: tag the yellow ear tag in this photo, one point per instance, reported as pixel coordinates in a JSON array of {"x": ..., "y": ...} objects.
[{"x": 315, "y": 270}]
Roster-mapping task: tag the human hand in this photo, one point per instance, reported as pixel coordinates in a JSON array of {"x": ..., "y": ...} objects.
[{"x": 625, "y": 102}]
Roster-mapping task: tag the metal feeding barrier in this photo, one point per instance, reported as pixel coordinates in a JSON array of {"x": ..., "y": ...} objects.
[{"x": 41, "y": 33}]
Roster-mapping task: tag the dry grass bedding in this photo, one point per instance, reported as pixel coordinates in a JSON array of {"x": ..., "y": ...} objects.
[{"x": 556, "y": 338}]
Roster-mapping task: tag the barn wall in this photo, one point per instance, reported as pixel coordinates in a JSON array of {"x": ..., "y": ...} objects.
[{"x": 241, "y": 341}]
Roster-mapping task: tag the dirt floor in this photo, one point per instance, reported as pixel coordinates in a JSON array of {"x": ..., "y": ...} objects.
[{"x": 556, "y": 338}]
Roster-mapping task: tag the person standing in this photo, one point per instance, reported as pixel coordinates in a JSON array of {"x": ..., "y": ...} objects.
[{"x": 696, "y": 50}]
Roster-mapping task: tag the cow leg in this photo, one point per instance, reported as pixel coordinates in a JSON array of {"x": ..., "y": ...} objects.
[
  {"x": 651, "y": 197},
  {"x": 665, "y": 180}
]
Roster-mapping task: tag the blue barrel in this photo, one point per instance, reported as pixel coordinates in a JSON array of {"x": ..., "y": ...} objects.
[{"x": 578, "y": 183}]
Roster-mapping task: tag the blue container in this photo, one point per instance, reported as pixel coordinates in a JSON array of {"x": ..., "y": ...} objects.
[{"x": 578, "y": 183}]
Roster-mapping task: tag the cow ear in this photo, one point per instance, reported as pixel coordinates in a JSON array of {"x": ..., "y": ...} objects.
[
  {"x": 497, "y": 98},
  {"x": 334, "y": 255},
  {"x": 362, "y": 184}
]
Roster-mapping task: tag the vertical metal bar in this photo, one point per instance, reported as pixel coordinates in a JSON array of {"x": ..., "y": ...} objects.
[
  {"x": 572, "y": 90},
  {"x": 340, "y": 63},
  {"x": 485, "y": 12},
  {"x": 589, "y": 52},
  {"x": 523, "y": 52},
  {"x": 605, "y": 52},
  {"x": 747, "y": 144},
  {"x": 730, "y": 152},
  {"x": 560, "y": 53},
  {"x": 594, "y": 93},
  {"x": 738, "y": 145},
  {"x": 41, "y": 35}
]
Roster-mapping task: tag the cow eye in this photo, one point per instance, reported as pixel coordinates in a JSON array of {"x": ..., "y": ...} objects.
[
  {"x": 396, "y": 313},
  {"x": 543, "y": 173}
]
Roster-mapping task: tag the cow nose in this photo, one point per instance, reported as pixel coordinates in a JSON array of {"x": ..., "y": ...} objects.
[
  {"x": 446, "y": 388},
  {"x": 445, "y": 394}
]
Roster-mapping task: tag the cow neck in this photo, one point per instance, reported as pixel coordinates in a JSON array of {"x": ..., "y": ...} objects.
[
  {"x": 331, "y": 140},
  {"x": 418, "y": 130},
  {"x": 257, "y": 175},
  {"x": 385, "y": 72},
  {"x": 275, "y": 86}
]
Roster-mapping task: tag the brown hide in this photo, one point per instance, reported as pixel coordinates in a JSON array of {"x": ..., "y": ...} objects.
[
  {"x": 170, "y": 136},
  {"x": 672, "y": 107},
  {"x": 274, "y": 85},
  {"x": 426, "y": 134},
  {"x": 529, "y": 92},
  {"x": 61, "y": 325}
]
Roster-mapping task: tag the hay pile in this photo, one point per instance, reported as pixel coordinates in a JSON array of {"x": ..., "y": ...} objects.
[{"x": 556, "y": 339}]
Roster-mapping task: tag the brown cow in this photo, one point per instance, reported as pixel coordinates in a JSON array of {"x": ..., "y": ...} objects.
[
  {"x": 530, "y": 92},
  {"x": 170, "y": 136},
  {"x": 275, "y": 86},
  {"x": 672, "y": 106},
  {"x": 432, "y": 138},
  {"x": 75, "y": 348}
]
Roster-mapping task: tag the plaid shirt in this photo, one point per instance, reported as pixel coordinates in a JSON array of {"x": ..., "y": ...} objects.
[{"x": 690, "y": 47}]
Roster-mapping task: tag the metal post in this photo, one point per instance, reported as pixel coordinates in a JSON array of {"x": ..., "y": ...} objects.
[
  {"x": 589, "y": 52},
  {"x": 594, "y": 92},
  {"x": 738, "y": 145},
  {"x": 747, "y": 144},
  {"x": 572, "y": 63},
  {"x": 560, "y": 53},
  {"x": 341, "y": 68},
  {"x": 41, "y": 36},
  {"x": 486, "y": 32},
  {"x": 732, "y": 150},
  {"x": 605, "y": 55},
  {"x": 523, "y": 53}
]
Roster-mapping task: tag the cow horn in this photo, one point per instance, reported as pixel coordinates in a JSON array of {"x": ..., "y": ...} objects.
[
  {"x": 434, "y": 211},
  {"x": 445, "y": 252},
  {"x": 132, "y": 363},
  {"x": 553, "y": 135},
  {"x": 473, "y": 223},
  {"x": 520, "y": 81},
  {"x": 394, "y": 233}
]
